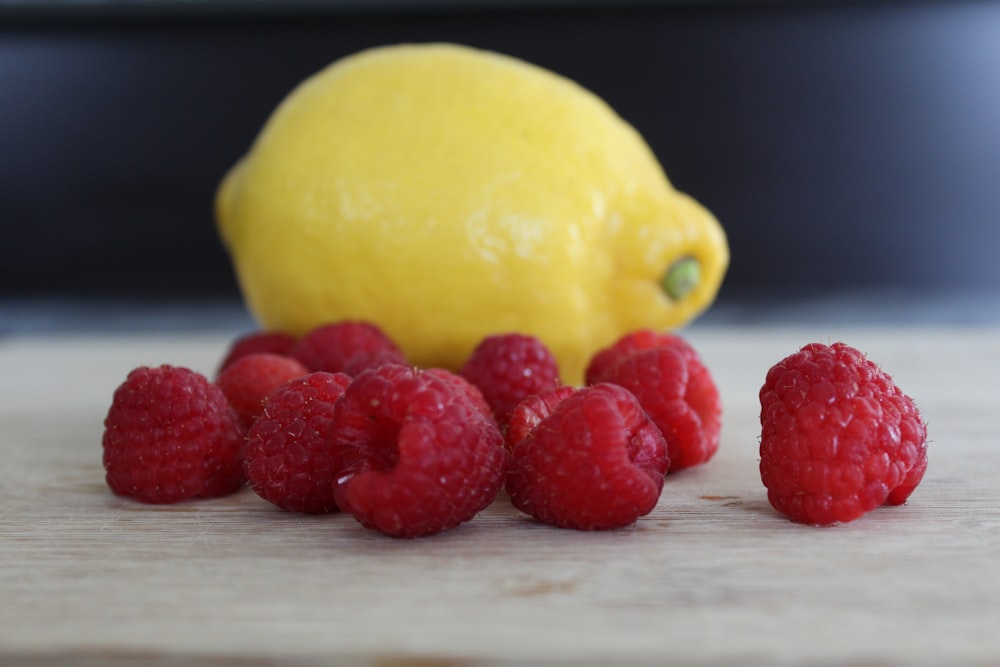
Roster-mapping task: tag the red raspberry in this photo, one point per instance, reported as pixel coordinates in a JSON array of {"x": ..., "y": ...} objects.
[
  {"x": 673, "y": 386},
  {"x": 249, "y": 380},
  {"x": 273, "y": 342},
  {"x": 838, "y": 437},
  {"x": 596, "y": 462},
  {"x": 461, "y": 384},
  {"x": 346, "y": 347},
  {"x": 170, "y": 435},
  {"x": 531, "y": 411},
  {"x": 414, "y": 455},
  {"x": 288, "y": 457},
  {"x": 644, "y": 339},
  {"x": 508, "y": 368}
]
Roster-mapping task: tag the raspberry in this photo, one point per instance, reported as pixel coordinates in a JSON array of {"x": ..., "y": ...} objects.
[
  {"x": 531, "y": 411},
  {"x": 170, "y": 435},
  {"x": 673, "y": 386},
  {"x": 461, "y": 384},
  {"x": 596, "y": 462},
  {"x": 507, "y": 368},
  {"x": 288, "y": 459},
  {"x": 346, "y": 347},
  {"x": 273, "y": 342},
  {"x": 414, "y": 455},
  {"x": 605, "y": 360},
  {"x": 838, "y": 437},
  {"x": 249, "y": 380}
]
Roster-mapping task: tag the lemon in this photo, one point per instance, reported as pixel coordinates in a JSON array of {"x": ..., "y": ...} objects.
[{"x": 445, "y": 193}]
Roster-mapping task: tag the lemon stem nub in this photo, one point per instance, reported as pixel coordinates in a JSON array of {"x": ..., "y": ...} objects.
[{"x": 681, "y": 278}]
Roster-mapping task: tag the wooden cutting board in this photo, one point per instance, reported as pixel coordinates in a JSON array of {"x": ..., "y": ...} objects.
[{"x": 712, "y": 576}]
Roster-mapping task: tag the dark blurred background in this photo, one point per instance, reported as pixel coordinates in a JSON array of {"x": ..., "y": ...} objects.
[{"x": 846, "y": 147}]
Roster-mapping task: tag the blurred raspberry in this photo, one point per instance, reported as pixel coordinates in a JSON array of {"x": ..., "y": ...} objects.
[
  {"x": 272, "y": 342},
  {"x": 346, "y": 347},
  {"x": 507, "y": 368},
  {"x": 248, "y": 381},
  {"x": 604, "y": 361}
]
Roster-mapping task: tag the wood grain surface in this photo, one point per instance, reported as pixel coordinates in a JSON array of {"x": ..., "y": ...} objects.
[{"x": 713, "y": 576}]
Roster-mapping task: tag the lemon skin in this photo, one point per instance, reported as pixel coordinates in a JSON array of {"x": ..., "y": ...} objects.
[{"x": 446, "y": 193}]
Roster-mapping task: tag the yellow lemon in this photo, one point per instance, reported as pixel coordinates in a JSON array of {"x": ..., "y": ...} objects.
[{"x": 445, "y": 193}]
